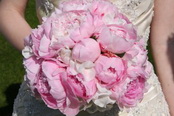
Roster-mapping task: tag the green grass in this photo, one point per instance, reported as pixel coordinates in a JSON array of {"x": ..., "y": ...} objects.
[{"x": 11, "y": 68}]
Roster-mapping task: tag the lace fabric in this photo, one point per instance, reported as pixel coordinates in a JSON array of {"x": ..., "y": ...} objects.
[{"x": 140, "y": 12}]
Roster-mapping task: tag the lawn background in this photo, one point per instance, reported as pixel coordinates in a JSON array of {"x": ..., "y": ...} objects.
[{"x": 11, "y": 68}]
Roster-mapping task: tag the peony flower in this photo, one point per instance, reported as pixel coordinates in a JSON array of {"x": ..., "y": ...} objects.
[
  {"x": 81, "y": 80},
  {"x": 85, "y": 29},
  {"x": 71, "y": 27},
  {"x": 65, "y": 55},
  {"x": 102, "y": 97},
  {"x": 103, "y": 10},
  {"x": 32, "y": 67},
  {"x": 110, "y": 71},
  {"x": 117, "y": 38},
  {"x": 62, "y": 28},
  {"x": 72, "y": 62},
  {"x": 86, "y": 50},
  {"x": 148, "y": 67},
  {"x": 27, "y": 52},
  {"x": 41, "y": 43},
  {"x": 85, "y": 68},
  {"x": 131, "y": 91},
  {"x": 134, "y": 93},
  {"x": 136, "y": 56},
  {"x": 57, "y": 94}
]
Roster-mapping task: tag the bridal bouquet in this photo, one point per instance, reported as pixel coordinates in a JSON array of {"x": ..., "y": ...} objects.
[{"x": 86, "y": 54}]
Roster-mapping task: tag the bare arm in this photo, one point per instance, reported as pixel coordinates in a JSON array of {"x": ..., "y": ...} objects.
[
  {"x": 162, "y": 42},
  {"x": 12, "y": 21}
]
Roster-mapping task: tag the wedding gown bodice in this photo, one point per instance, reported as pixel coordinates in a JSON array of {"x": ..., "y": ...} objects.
[{"x": 140, "y": 12}]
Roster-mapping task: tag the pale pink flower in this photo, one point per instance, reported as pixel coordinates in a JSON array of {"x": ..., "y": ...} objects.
[
  {"x": 40, "y": 43},
  {"x": 85, "y": 29},
  {"x": 117, "y": 38},
  {"x": 71, "y": 27},
  {"x": 104, "y": 11},
  {"x": 32, "y": 67},
  {"x": 72, "y": 60},
  {"x": 137, "y": 55},
  {"x": 110, "y": 71},
  {"x": 86, "y": 50}
]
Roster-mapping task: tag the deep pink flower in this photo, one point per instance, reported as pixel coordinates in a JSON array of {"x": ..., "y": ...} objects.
[{"x": 54, "y": 90}]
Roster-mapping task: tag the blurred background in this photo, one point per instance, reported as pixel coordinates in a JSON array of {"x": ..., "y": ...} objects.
[{"x": 11, "y": 68}]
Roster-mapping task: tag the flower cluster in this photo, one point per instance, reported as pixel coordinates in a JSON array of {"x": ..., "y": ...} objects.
[{"x": 86, "y": 52}]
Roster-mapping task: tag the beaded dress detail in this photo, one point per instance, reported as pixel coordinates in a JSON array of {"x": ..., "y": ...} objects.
[{"x": 140, "y": 12}]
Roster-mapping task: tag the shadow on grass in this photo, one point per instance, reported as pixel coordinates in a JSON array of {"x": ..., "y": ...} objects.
[{"x": 10, "y": 93}]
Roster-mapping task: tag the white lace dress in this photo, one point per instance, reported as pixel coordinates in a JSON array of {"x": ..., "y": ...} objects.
[{"x": 140, "y": 12}]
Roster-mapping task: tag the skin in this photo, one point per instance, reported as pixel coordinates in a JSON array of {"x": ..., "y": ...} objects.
[
  {"x": 15, "y": 28},
  {"x": 162, "y": 43},
  {"x": 12, "y": 22}
]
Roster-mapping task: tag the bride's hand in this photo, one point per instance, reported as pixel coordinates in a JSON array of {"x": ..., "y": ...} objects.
[
  {"x": 12, "y": 21},
  {"x": 162, "y": 35}
]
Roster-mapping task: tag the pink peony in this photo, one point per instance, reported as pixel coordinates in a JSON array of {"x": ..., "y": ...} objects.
[
  {"x": 32, "y": 68},
  {"x": 137, "y": 55},
  {"x": 131, "y": 91},
  {"x": 72, "y": 62},
  {"x": 104, "y": 11},
  {"x": 54, "y": 90},
  {"x": 62, "y": 28},
  {"x": 41, "y": 41},
  {"x": 134, "y": 93},
  {"x": 86, "y": 50},
  {"x": 83, "y": 89},
  {"x": 110, "y": 71},
  {"x": 85, "y": 29},
  {"x": 117, "y": 38},
  {"x": 71, "y": 27}
]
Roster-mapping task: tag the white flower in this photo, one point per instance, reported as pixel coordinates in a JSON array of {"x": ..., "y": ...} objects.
[
  {"x": 65, "y": 54},
  {"x": 85, "y": 68},
  {"x": 102, "y": 97},
  {"x": 27, "y": 52}
]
